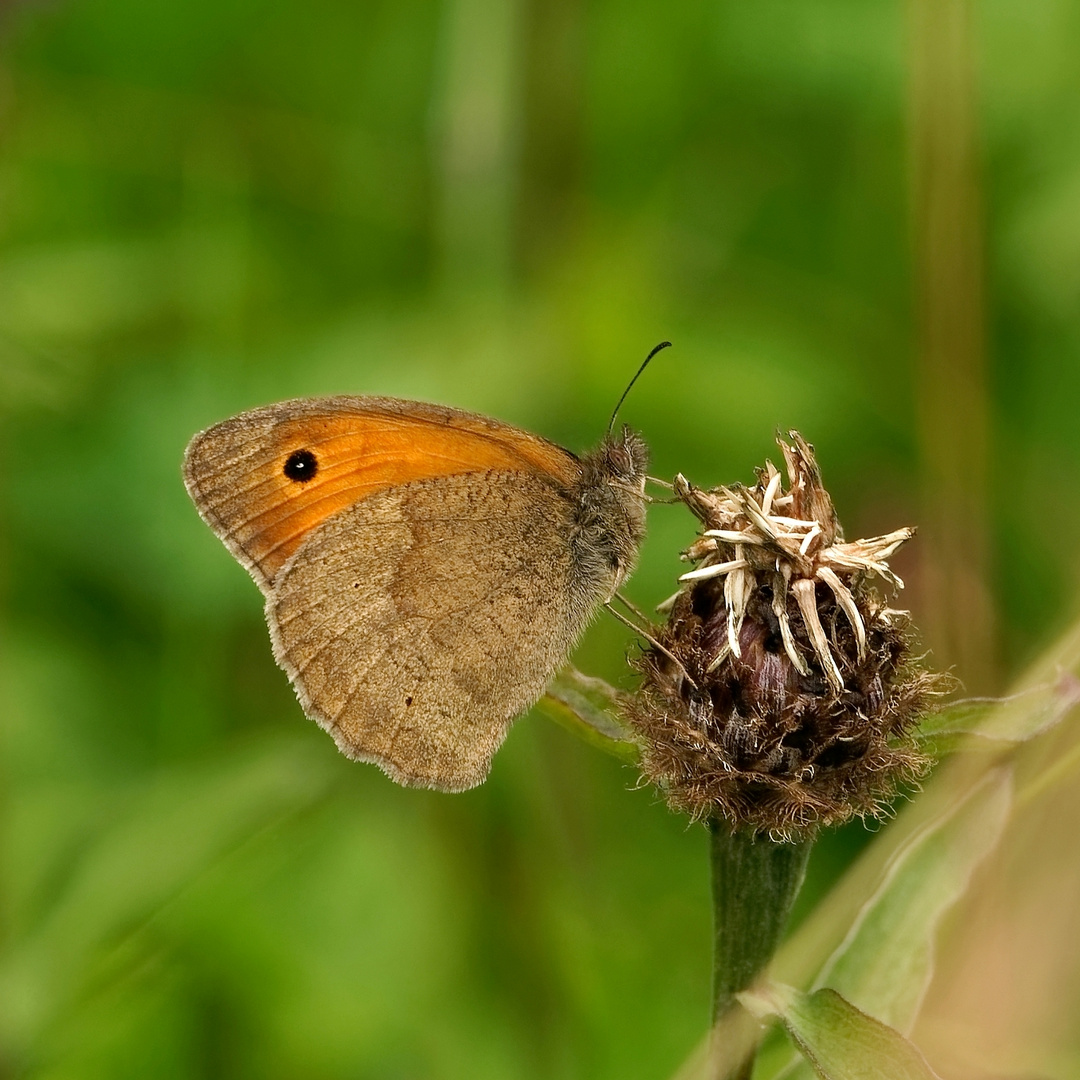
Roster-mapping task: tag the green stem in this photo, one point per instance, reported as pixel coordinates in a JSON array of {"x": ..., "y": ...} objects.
[{"x": 755, "y": 882}]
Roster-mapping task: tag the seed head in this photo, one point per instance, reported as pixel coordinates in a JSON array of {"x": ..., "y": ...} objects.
[{"x": 779, "y": 694}]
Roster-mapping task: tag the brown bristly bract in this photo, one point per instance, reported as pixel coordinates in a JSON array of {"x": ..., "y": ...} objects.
[{"x": 801, "y": 692}]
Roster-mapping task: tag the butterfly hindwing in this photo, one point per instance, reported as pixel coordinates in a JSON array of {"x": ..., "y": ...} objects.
[{"x": 417, "y": 624}]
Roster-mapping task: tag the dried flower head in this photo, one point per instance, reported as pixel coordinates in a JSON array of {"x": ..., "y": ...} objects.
[{"x": 779, "y": 694}]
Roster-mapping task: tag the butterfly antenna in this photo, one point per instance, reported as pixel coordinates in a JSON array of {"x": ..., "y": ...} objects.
[{"x": 662, "y": 345}]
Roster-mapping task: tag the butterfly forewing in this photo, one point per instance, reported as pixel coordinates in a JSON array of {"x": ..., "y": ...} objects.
[{"x": 238, "y": 472}]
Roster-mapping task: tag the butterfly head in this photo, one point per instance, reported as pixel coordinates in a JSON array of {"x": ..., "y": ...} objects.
[{"x": 625, "y": 458}]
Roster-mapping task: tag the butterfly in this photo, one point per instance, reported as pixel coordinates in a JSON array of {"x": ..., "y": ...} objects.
[{"x": 425, "y": 570}]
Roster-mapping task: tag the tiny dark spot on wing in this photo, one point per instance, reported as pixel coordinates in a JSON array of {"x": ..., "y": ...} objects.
[
  {"x": 408, "y": 700},
  {"x": 301, "y": 466}
]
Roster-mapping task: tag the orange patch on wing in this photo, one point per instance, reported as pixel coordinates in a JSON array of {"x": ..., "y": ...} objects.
[{"x": 236, "y": 469}]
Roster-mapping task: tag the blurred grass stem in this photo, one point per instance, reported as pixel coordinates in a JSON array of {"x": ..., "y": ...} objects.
[
  {"x": 476, "y": 114},
  {"x": 952, "y": 391}
]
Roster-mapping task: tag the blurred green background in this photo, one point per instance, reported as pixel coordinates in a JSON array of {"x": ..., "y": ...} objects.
[{"x": 854, "y": 217}]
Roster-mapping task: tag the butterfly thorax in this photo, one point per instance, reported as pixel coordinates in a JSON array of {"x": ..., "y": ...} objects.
[{"x": 610, "y": 510}]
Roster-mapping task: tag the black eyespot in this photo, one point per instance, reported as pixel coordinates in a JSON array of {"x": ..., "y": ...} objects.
[
  {"x": 408, "y": 701},
  {"x": 301, "y": 466}
]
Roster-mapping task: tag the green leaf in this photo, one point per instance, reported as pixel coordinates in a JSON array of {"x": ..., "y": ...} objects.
[
  {"x": 886, "y": 961},
  {"x": 840, "y": 1041},
  {"x": 589, "y": 708},
  {"x": 1014, "y": 719}
]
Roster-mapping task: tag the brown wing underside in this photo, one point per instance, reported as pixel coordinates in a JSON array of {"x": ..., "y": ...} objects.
[
  {"x": 234, "y": 471},
  {"x": 417, "y": 624}
]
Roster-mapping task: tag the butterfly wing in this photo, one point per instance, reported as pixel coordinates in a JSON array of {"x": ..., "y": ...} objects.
[
  {"x": 236, "y": 471},
  {"x": 418, "y": 572},
  {"x": 418, "y": 623}
]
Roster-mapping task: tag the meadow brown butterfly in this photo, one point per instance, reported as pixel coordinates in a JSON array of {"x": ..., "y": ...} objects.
[{"x": 425, "y": 570}]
